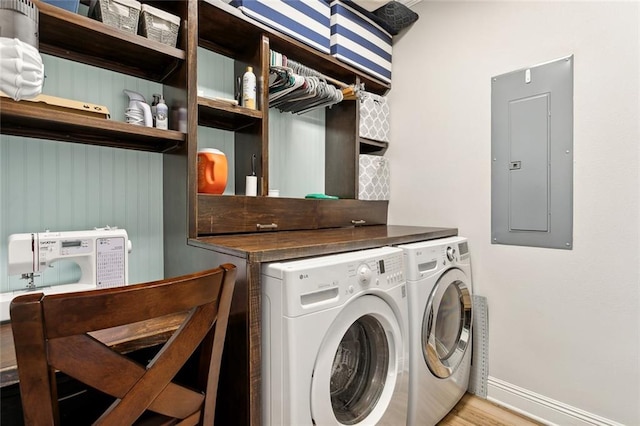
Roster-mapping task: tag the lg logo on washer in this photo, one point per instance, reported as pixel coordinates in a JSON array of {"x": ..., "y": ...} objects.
[{"x": 303, "y": 276}]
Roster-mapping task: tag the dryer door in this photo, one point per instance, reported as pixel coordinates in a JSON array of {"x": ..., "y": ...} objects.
[
  {"x": 446, "y": 325},
  {"x": 358, "y": 365}
]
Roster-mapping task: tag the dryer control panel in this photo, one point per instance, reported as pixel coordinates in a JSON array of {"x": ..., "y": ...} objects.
[{"x": 427, "y": 258}]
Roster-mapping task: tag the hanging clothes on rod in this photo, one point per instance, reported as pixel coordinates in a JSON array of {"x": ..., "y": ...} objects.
[
  {"x": 295, "y": 93},
  {"x": 296, "y": 88}
]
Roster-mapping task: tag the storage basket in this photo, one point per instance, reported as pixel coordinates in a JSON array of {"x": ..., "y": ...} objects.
[
  {"x": 359, "y": 41},
  {"x": 122, "y": 14},
  {"x": 374, "y": 117},
  {"x": 374, "y": 178},
  {"x": 158, "y": 25},
  {"x": 307, "y": 21}
]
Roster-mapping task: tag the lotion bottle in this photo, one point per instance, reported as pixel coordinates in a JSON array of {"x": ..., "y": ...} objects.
[
  {"x": 162, "y": 114},
  {"x": 249, "y": 89}
]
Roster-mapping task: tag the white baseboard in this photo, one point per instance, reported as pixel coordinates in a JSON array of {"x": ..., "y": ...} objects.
[{"x": 541, "y": 408}]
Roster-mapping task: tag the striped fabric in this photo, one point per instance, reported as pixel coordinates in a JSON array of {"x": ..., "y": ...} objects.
[
  {"x": 358, "y": 41},
  {"x": 305, "y": 20}
]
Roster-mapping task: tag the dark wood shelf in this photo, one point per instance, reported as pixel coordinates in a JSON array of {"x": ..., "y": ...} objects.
[
  {"x": 225, "y": 116},
  {"x": 78, "y": 38},
  {"x": 225, "y": 30},
  {"x": 24, "y": 118}
]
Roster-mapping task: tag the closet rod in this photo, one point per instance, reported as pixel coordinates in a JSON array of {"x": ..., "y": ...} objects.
[{"x": 319, "y": 74}]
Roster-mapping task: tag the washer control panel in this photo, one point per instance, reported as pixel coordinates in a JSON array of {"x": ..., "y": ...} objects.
[
  {"x": 386, "y": 271},
  {"x": 322, "y": 282}
]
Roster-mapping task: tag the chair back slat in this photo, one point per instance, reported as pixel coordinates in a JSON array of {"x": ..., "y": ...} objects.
[{"x": 66, "y": 314}]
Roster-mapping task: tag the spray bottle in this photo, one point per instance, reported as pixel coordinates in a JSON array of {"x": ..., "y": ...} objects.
[{"x": 139, "y": 111}]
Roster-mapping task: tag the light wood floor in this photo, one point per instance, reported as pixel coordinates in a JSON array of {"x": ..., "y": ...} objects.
[{"x": 475, "y": 411}]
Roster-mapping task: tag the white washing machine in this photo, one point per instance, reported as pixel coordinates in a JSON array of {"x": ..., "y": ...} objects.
[
  {"x": 334, "y": 340},
  {"x": 440, "y": 294}
]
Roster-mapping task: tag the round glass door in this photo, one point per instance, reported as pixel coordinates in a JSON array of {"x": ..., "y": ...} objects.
[
  {"x": 446, "y": 326},
  {"x": 357, "y": 366},
  {"x": 359, "y": 370}
]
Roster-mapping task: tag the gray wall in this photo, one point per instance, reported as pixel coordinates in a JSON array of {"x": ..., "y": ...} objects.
[{"x": 564, "y": 326}]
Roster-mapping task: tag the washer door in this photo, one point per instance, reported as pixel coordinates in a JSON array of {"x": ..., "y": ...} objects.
[
  {"x": 358, "y": 365},
  {"x": 446, "y": 325}
]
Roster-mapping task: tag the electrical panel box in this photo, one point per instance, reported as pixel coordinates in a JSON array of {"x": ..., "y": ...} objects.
[{"x": 532, "y": 156}]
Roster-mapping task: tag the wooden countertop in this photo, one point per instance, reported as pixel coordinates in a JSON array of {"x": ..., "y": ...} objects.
[{"x": 275, "y": 246}]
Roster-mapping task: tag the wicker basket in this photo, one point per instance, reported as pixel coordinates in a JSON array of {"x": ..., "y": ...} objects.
[
  {"x": 122, "y": 14},
  {"x": 159, "y": 25}
]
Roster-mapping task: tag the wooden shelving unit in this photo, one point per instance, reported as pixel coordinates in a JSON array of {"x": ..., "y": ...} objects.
[
  {"x": 81, "y": 39},
  {"x": 227, "y": 31}
]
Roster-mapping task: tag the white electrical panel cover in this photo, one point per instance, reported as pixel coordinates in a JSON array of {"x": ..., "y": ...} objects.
[{"x": 532, "y": 156}]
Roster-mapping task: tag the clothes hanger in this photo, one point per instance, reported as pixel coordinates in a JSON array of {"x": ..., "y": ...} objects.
[{"x": 298, "y": 89}]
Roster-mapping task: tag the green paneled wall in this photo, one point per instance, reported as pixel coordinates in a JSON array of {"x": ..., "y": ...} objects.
[{"x": 66, "y": 186}]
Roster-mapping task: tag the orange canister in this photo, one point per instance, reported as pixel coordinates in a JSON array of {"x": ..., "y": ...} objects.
[{"x": 212, "y": 171}]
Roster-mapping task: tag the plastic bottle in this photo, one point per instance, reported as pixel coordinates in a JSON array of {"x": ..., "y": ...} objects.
[
  {"x": 162, "y": 114},
  {"x": 154, "y": 104},
  {"x": 249, "y": 89}
]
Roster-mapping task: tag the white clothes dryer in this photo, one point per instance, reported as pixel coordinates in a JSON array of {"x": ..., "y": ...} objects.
[
  {"x": 440, "y": 294},
  {"x": 334, "y": 340}
]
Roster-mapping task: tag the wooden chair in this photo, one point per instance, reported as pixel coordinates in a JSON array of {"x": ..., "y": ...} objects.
[{"x": 52, "y": 333}]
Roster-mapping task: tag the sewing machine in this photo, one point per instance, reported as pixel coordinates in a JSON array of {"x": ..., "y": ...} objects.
[{"x": 101, "y": 254}]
